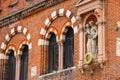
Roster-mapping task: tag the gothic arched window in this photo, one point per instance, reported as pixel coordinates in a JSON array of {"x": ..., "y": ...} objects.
[
  {"x": 68, "y": 54},
  {"x": 11, "y": 66},
  {"x": 24, "y": 64},
  {"x": 52, "y": 54}
]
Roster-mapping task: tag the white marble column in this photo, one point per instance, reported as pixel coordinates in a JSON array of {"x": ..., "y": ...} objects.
[
  {"x": 17, "y": 76},
  {"x": 60, "y": 64}
]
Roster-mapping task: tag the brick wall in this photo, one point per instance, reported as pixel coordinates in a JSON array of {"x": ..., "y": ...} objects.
[
  {"x": 112, "y": 15},
  {"x": 35, "y": 22}
]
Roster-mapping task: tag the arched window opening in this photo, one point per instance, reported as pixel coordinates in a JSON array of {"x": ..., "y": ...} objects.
[
  {"x": 11, "y": 66},
  {"x": 53, "y": 54},
  {"x": 24, "y": 64},
  {"x": 68, "y": 55}
]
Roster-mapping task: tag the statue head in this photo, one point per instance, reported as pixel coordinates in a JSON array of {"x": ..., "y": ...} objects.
[
  {"x": 87, "y": 25},
  {"x": 91, "y": 23},
  {"x": 118, "y": 25}
]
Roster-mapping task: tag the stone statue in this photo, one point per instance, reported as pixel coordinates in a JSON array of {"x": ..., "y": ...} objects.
[
  {"x": 118, "y": 25},
  {"x": 92, "y": 33}
]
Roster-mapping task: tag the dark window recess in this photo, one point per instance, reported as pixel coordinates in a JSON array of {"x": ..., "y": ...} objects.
[
  {"x": 0, "y": 9},
  {"x": 24, "y": 64},
  {"x": 11, "y": 66},
  {"x": 52, "y": 54},
  {"x": 13, "y": 4},
  {"x": 68, "y": 54}
]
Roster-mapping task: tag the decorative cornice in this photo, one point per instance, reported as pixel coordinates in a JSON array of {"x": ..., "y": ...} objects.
[
  {"x": 23, "y": 13},
  {"x": 89, "y": 5}
]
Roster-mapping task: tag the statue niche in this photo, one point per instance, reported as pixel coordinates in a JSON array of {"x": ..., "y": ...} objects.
[{"x": 92, "y": 39}]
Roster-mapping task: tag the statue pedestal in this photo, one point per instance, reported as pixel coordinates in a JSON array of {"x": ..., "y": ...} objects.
[{"x": 91, "y": 67}]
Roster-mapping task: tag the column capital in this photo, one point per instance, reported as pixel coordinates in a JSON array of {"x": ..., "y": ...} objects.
[
  {"x": 79, "y": 18},
  {"x": 81, "y": 28},
  {"x": 18, "y": 57},
  {"x": 98, "y": 11},
  {"x": 4, "y": 56},
  {"x": 60, "y": 42}
]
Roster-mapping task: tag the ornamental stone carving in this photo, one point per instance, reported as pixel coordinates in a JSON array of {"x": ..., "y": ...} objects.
[{"x": 118, "y": 25}]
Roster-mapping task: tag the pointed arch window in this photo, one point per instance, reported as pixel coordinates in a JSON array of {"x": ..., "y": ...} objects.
[
  {"x": 68, "y": 54},
  {"x": 11, "y": 66},
  {"x": 24, "y": 64},
  {"x": 53, "y": 54}
]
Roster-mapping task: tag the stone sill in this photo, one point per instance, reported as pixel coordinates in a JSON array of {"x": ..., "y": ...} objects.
[{"x": 56, "y": 72}]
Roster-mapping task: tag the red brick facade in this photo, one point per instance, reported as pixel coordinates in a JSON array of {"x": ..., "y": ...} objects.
[{"x": 31, "y": 22}]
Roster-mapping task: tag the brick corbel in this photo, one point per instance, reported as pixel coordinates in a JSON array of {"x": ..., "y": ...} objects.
[{"x": 13, "y": 4}]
